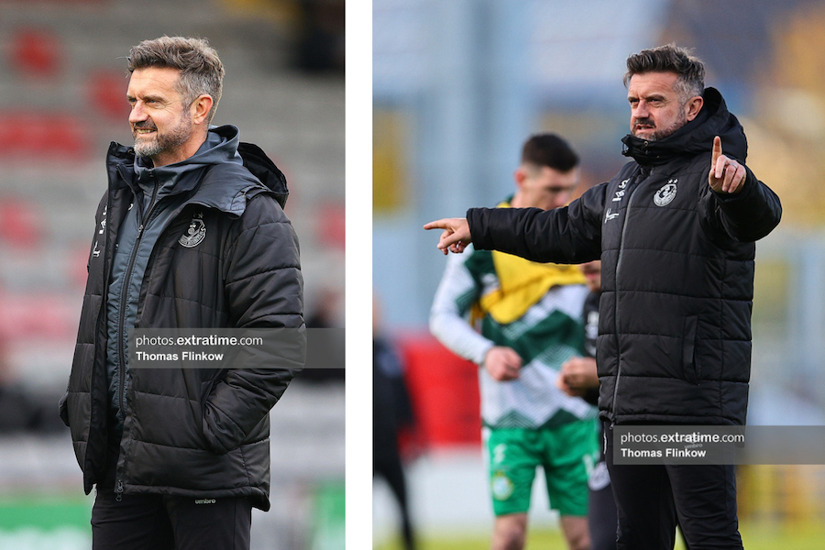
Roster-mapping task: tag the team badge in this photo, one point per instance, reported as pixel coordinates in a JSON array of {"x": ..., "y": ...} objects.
[
  {"x": 195, "y": 233},
  {"x": 666, "y": 194},
  {"x": 502, "y": 487}
]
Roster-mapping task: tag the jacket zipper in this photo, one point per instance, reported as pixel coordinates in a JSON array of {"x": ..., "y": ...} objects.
[
  {"x": 99, "y": 324},
  {"x": 616, "y": 309},
  {"x": 121, "y": 348}
]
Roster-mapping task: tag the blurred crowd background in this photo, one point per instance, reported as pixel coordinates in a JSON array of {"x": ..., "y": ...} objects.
[
  {"x": 62, "y": 100},
  {"x": 458, "y": 86}
]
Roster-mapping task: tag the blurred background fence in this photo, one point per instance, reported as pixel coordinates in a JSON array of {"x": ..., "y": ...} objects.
[
  {"x": 458, "y": 86},
  {"x": 62, "y": 100}
]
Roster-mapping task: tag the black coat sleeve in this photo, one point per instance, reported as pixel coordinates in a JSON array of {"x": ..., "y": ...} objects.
[
  {"x": 568, "y": 235},
  {"x": 747, "y": 216},
  {"x": 264, "y": 289}
]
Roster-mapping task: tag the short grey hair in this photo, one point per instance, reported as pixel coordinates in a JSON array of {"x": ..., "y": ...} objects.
[
  {"x": 670, "y": 58},
  {"x": 201, "y": 70}
]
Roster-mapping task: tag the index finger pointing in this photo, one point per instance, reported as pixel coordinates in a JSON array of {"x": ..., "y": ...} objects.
[
  {"x": 438, "y": 224},
  {"x": 717, "y": 151}
]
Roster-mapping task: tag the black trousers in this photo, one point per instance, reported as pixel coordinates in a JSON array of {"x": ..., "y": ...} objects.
[
  {"x": 159, "y": 522},
  {"x": 651, "y": 499},
  {"x": 162, "y": 522},
  {"x": 601, "y": 519}
]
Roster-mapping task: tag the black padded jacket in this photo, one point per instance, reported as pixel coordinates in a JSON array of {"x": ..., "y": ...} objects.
[
  {"x": 191, "y": 432},
  {"x": 674, "y": 342}
]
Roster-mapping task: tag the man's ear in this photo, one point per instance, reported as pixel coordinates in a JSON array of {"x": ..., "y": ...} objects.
[
  {"x": 200, "y": 108},
  {"x": 519, "y": 176},
  {"x": 693, "y": 106}
]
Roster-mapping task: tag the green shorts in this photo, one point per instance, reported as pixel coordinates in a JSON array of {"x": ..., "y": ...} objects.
[{"x": 567, "y": 453}]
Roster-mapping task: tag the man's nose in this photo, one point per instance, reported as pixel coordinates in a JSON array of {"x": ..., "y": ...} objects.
[
  {"x": 641, "y": 110},
  {"x": 137, "y": 114}
]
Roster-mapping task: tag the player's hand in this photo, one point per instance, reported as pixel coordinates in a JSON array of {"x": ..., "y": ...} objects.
[
  {"x": 456, "y": 235},
  {"x": 578, "y": 375},
  {"x": 726, "y": 175},
  {"x": 502, "y": 363}
]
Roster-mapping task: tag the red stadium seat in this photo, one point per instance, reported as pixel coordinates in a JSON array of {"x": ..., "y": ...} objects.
[
  {"x": 332, "y": 225},
  {"x": 44, "y": 136},
  {"x": 36, "y": 52},
  {"x": 107, "y": 92},
  {"x": 41, "y": 315},
  {"x": 20, "y": 226}
]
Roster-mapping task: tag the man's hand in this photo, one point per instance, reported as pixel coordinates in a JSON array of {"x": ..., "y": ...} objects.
[
  {"x": 726, "y": 175},
  {"x": 456, "y": 235},
  {"x": 577, "y": 376},
  {"x": 502, "y": 363}
]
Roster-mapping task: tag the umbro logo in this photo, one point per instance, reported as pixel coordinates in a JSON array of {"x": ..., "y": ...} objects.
[{"x": 609, "y": 215}]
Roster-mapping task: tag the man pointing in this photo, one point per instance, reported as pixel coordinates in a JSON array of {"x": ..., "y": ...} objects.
[{"x": 675, "y": 231}]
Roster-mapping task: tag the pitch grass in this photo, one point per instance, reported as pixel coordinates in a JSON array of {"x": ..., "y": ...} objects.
[{"x": 756, "y": 537}]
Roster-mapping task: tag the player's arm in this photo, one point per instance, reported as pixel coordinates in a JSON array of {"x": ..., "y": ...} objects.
[{"x": 457, "y": 291}]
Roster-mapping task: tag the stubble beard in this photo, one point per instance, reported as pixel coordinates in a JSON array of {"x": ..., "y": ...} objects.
[
  {"x": 162, "y": 143},
  {"x": 659, "y": 134}
]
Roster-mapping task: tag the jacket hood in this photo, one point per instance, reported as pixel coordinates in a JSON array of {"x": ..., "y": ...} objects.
[
  {"x": 222, "y": 148},
  {"x": 695, "y": 137},
  {"x": 221, "y": 145}
]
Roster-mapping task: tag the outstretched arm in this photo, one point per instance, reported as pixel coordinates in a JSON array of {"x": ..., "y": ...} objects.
[{"x": 571, "y": 234}]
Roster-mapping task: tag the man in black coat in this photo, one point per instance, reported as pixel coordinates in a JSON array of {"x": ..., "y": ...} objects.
[
  {"x": 675, "y": 232},
  {"x": 190, "y": 235}
]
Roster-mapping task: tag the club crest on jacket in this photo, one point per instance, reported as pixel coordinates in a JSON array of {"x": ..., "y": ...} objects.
[
  {"x": 195, "y": 233},
  {"x": 666, "y": 194}
]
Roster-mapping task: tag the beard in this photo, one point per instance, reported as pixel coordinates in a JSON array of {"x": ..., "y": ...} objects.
[
  {"x": 658, "y": 133},
  {"x": 162, "y": 142}
]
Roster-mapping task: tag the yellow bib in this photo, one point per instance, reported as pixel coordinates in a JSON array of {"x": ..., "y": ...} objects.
[{"x": 523, "y": 283}]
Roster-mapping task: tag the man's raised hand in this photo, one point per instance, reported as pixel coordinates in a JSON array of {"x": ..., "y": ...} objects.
[
  {"x": 726, "y": 175},
  {"x": 456, "y": 235}
]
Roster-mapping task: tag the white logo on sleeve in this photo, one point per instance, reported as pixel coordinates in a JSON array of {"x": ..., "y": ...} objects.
[
  {"x": 666, "y": 194},
  {"x": 195, "y": 233},
  {"x": 609, "y": 215}
]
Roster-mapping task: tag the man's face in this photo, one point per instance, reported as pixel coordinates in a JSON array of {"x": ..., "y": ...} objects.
[
  {"x": 593, "y": 273},
  {"x": 161, "y": 123},
  {"x": 544, "y": 187},
  {"x": 656, "y": 109}
]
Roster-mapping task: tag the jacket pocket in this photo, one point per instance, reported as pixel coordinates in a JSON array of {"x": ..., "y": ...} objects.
[{"x": 689, "y": 367}]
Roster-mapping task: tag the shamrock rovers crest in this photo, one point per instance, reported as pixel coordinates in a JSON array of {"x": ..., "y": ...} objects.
[{"x": 195, "y": 233}]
